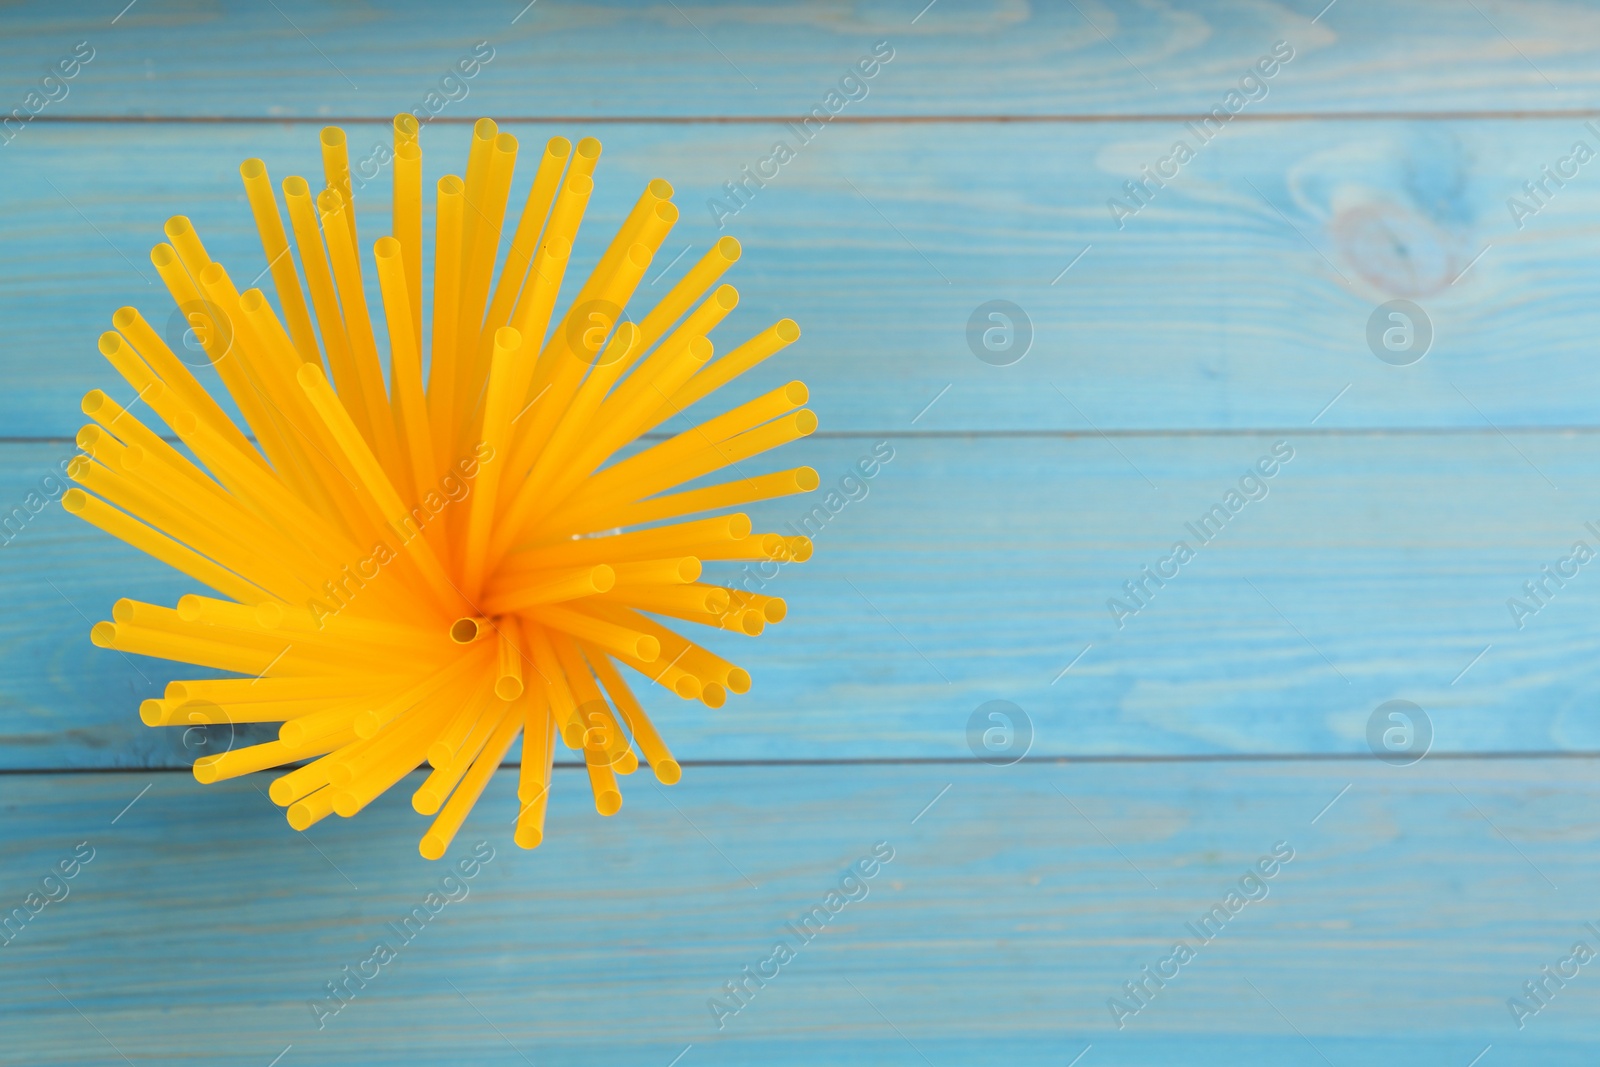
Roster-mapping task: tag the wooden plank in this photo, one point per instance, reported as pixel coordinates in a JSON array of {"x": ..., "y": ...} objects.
[
  {"x": 1240, "y": 298},
  {"x": 1013, "y": 909},
  {"x": 630, "y": 58},
  {"x": 1379, "y": 567}
]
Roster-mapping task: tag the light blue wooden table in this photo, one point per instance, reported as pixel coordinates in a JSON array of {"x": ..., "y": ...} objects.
[{"x": 1172, "y": 348}]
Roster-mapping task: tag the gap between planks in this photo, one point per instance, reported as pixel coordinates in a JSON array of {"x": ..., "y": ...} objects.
[
  {"x": 937, "y": 435},
  {"x": 856, "y": 120},
  {"x": 946, "y": 761}
]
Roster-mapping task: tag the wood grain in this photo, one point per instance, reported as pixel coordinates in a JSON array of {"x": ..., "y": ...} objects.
[
  {"x": 730, "y": 59},
  {"x": 1013, "y": 908},
  {"x": 1378, "y": 567}
]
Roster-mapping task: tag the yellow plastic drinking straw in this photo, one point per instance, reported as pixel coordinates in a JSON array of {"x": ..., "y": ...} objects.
[
  {"x": 552, "y": 587},
  {"x": 375, "y": 482},
  {"x": 255, "y": 366},
  {"x": 405, "y": 365},
  {"x": 144, "y": 343},
  {"x": 696, "y": 281},
  {"x": 508, "y": 683},
  {"x": 324, "y": 299},
  {"x": 275, "y": 246},
  {"x": 525, "y": 240},
  {"x": 444, "y": 828},
  {"x": 671, "y": 455},
  {"x": 538, "y": 754},
  {"x": 565, "y": 217},
  {"x": 215, "y": 338},
  {"x": 427, "y": 567},
  {"x": 436, "y": 788},
  {"x": 484, "y": 131},
  {"x": 720, "y": 372},
  {"x": 496, "y": 426},
  {"x": 181, "y": 233},
  {"x": 321, "y": 455},
  {"x": 655, "y": 750},
  {"x": 336, "y": 170},
  {"x": 358, "y": 327},
  {"x": 480, "y": 258},
  {"x": 448, "y": 226},
  {"x": 408, "y": 213}
]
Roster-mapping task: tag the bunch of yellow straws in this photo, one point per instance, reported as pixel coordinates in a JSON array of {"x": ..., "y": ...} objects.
[{"x": 424, "y": 571}]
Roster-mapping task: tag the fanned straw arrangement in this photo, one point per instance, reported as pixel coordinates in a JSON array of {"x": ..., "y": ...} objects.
[{"x": 424, "y": 571}]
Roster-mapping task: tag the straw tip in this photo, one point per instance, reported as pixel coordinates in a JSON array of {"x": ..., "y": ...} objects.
[
  {"x": 431, "y": 846},
  {"x": 309, "y": 375},
  {"x": 507, "y": 687},
  {"x": 205, "y": 769},
  {"x": 74, "y": 500},
  {"x": 528, "y": 836},
  {"x": 110, "y": 343},
  {"x": 788, "y": 331},
  {"x": 807, "y": 479},
  {"x": 806, "y": 422},
  {"x": 280, "y": 793},
  {"x": 647, "y": 648},
  {"x": 667, "y": 771},
  {"x": 603, "y": 578},
  {"x": 608, "y": 802},
  {"x": 151, "y": 712},
  {"x": 739, "y": 680},
  {"x": 101, "y": 634},
  {"x": 332, "y": 136},
  {"x": 252, "y": 169},
  {"x": 300, "y": 816}
]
